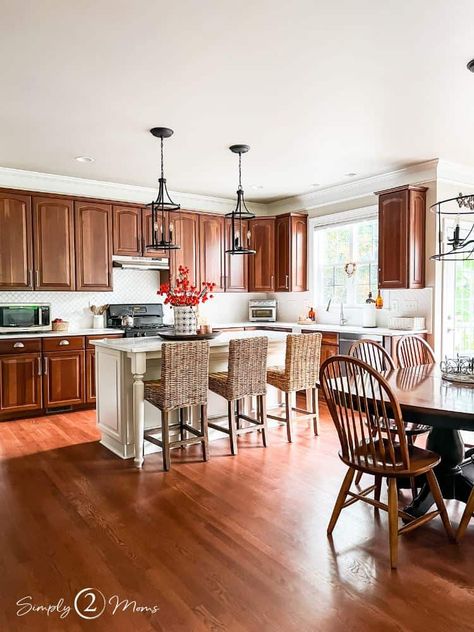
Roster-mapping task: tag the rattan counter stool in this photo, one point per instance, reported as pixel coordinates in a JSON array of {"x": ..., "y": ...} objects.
[
  {"x": 301, "y": 372},
  {"x": 245, "y": 377},
  {"x": 183, "y": 383}
]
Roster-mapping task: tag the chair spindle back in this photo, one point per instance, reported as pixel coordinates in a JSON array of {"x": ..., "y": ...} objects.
[
  {"x": 413, "y": 351},
  {"x": 373, "y": 354}
]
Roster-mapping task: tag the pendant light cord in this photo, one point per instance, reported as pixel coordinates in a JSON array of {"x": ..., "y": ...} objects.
[
  {"x": 162, "y": 172},
  {"x": 240, "y": 171}
]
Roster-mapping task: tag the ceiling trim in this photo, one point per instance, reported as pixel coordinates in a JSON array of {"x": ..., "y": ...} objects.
[
  {"x": 415, "y": 174},
  {"x": 69, "y": 185},
  {"x": 455, "y": 173}
]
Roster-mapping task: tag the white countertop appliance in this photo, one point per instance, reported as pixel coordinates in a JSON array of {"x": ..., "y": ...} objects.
[
  {"x": 264, "y": 310},
  {"x": 24, "y": 317}
]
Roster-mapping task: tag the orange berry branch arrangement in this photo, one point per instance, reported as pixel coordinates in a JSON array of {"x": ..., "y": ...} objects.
[{"x": 184, "y": 294}]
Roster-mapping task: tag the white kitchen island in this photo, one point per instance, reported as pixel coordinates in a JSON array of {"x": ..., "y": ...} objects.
[{"x": 122, "y": 366}]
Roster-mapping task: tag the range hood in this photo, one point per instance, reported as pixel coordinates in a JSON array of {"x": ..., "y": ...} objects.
[{"x": 141, "y": 263}]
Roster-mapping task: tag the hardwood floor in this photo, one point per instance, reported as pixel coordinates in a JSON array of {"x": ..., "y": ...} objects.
[{"x": 238, "y": 543}]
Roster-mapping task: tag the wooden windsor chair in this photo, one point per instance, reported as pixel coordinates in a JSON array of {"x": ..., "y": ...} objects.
[
  {"x": 414, "y": 351},
  {"x": 379, "y": 359},
  {"x": 245, "y": 377},
  {"x": 363, "y": 409},
  {"x": 182, "y": 384},
  {"x": 301, "y": 370}
]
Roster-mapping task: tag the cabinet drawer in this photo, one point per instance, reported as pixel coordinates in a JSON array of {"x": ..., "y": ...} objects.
[
  {"x": 89, "y": 339},
  {"x": 20, "y": 345},
  {"x": 63, "y": 343}
]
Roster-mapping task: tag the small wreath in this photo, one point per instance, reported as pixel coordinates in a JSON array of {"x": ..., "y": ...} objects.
[{"x": 350, "y": 269}]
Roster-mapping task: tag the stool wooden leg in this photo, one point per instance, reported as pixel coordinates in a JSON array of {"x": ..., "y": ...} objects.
[
  {"x": 165, "y": 438},
  {"x": 232, "y": 428},
  {"x": 289, "y": 416},
  {"x": 237, "y": 414},
  {"x": 205, "y": 433},
  {"x": 262, "y": 416},
  {"x": 315, "y": 410},
  {"x": 181, "y": 424}
]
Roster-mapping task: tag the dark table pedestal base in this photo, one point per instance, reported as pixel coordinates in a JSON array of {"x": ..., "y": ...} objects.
[{"x": 455, "y": 473}]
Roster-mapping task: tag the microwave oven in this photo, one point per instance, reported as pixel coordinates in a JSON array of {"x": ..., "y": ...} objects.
[
  {"x": 263, "y": 311},
  {"x": 24, "y": 317}
]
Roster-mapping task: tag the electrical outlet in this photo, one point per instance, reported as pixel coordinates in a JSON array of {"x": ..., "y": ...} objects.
[{"x": 395, "y": 305}]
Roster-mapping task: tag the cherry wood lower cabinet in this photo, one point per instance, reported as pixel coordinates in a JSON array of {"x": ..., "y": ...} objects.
[
  {"x": 63, "y": 381},
  {"x": 90, "y": 376},
  {"x": 93, "y": 230},
  {"x": 20, "y": 383},
  {"x": 16, "y": 242}
]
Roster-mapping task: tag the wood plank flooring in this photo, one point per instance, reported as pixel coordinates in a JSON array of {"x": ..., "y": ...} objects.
[{"x": 238, "y": 543}]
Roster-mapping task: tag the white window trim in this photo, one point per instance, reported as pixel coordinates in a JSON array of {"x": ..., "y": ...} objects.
[{"x": 351, "y": 216}]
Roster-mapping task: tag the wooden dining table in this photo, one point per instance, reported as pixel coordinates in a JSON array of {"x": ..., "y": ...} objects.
[{"x": 448, "y": 407}]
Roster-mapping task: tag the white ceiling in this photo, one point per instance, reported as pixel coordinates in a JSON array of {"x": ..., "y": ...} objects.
[{"x": 317, "y": 88}]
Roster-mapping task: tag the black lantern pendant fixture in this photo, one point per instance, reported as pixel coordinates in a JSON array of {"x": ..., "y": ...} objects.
[
  {"x": 164, "y": 212},
  {"x": 459, "y": 244},
  {"x": 240, "y": 244}
]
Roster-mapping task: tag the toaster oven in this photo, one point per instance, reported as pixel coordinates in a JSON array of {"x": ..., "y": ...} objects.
[{"x": 263, "y": 311}]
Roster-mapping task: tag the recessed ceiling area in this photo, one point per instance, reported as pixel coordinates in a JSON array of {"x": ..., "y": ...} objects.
[{"x": 318, "y": 89}]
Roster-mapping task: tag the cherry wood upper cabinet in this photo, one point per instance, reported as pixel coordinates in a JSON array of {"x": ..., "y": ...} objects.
[
  {"x": 188, "y": 255},
  {"x": 402, "y": 217},
  {"x": 53, "y": 229},
  {"x": 291, "y": 253},
  {"x": 16, "y": 245},
  {"x": 236, "y": 266},
  {"x": 20, "y": 383},
  {"x": 262, "y": 263},
  {"x": 127, "y": 222},
  {"x": 211, "y": 231},
  {"x": 93, "y": 246}
]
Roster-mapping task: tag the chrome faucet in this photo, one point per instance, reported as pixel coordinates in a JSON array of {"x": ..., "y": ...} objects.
[{"x": 342, "y": 318}]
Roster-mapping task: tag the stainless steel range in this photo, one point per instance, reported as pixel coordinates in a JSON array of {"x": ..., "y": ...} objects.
[{"x": 137, "y": 320}]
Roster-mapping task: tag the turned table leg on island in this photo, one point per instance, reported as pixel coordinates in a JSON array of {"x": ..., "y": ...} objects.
[{"x": 138, "y": 370}]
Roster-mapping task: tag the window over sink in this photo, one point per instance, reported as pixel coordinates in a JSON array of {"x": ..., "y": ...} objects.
[{"x": 345, "y": 262}]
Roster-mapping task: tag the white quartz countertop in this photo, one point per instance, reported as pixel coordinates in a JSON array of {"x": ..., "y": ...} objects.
[
  {"x": 153, "y": 344},
  {"x": 61, "y": 334},
  {"x": 340, "y": 329}
]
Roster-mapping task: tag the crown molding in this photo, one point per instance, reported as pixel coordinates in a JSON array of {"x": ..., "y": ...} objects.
[
  {"x": 455, "y": 173},
  {"x": 69, "y": 185},
  {"x": 363, "y": 187}
]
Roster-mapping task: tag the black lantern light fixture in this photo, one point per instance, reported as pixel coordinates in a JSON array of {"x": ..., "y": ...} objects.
[
  {"x": 459, "y": 242},
  {"x": 164, "y": 212},
  {"x": 240, "y": 237}
]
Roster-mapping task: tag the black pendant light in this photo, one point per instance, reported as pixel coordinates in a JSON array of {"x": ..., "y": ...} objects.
[
  {"x": 459, "y": 244},
  {"x": 164, "y": 212},
  {"x": 240, "y": 242}
]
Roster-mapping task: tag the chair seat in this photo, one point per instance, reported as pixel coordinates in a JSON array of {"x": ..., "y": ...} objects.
[
  {"x": 218, "y": 383},
  {"x": 154, "y": 393},
  {"x": 421, "y": 460}
]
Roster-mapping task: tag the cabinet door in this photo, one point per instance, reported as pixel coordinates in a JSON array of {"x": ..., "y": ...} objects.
[
  {"x": 393, "y": 240},
  {"x": 262, "y": 263},
  {"x": 417, "y": 224},
  {"x": 16, "y": 244},
  {"x": 127, "y": 222},
  {"x": 90, "y": 376},
  {"x": 299, "y": 256},
  {"x": 53, "y": 223},
  {"x": 282, "y": 260},
  {"x": 63, "y": 378},
  {"x": 211, "y": 230},
  {"x": 188, "y": 254},
  {"x": 236, "y": 266},
  {"x": 20, "y": 383},
  {"x": 93, "y": 246}
]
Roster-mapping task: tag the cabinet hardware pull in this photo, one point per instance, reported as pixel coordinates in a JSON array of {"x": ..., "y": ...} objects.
[
  {"x": 64, "y": 343},
  {"x": 286, "y": 281},
  {"x": 39, "y": 366},
  {"x": 271, "y": 282},
  {"x": 45, "y": 366},
  {"x": 18, "y": 345},
  {"x": 30, "y": 277}
]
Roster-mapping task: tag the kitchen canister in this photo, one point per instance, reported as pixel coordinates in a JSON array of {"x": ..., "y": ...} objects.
[{"x": 369, "y": 315}]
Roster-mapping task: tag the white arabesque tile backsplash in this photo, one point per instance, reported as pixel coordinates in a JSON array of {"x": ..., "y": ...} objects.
[{"x": 130, "y": 286}]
